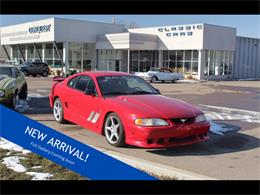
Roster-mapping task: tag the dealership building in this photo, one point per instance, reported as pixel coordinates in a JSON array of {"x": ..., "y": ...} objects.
[{"x": 204, "y": 51}]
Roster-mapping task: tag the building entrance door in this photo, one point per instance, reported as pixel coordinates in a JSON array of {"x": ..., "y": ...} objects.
[{"x": 117, "y": 65}]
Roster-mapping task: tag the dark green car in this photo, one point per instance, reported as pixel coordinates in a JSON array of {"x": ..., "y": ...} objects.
[{"x": 12, "y": 85}]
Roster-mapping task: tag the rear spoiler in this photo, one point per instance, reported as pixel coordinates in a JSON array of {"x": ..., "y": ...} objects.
[{"x": 58, "y": 79}]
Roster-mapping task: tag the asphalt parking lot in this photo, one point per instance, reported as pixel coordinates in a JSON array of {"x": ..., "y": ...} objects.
[{"x": 233, "y": 107}]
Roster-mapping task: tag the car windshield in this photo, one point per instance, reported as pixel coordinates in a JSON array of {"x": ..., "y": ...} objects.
[
  {"x": 6, "y": 71},
  {"x": 27, "y": 64},
  {"x": 124, "y": 85},
  {"x": 155, "y": 70}
]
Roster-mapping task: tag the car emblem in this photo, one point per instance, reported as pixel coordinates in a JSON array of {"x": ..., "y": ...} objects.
[{"x": 183, "y": 120}]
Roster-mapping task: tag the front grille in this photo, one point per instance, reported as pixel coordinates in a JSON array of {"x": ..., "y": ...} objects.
[
  {"x": 182, "y": 139},
  {"x": 172, "y": 140},
  {"x": 181, "y": 121}
]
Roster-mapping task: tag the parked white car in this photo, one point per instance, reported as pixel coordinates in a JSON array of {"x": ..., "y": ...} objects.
[{"x": 160, "y": 74}]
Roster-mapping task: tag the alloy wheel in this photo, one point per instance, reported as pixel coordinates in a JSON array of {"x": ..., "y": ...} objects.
[
  {"x": 112, "y": 129},
  {"x": 57, "y": 110}
]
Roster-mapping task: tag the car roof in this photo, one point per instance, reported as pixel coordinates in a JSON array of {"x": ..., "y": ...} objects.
[
  {"x": 7, "y": 66},
  {"x": 104, "y": 73}
]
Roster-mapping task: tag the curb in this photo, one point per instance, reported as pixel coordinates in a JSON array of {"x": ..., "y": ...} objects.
[{"x": 155, "y": 168}]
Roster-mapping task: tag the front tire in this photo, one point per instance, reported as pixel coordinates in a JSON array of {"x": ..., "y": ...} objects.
[
  {"x": 13, "y": 101},
  {"x": 23, "y": 93},
  {"x": 114, "y": 130},
  {"x": 58, "y": 112}
]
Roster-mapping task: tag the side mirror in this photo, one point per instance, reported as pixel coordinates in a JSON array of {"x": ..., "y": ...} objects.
[{"x": 158, "y": 91}]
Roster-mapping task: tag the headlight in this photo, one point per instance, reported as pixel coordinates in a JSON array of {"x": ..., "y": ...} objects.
[
  {"x": 151, "y": 122},
  {"x": 2, "y": 93},
  {"x": 200, "y": 118}
]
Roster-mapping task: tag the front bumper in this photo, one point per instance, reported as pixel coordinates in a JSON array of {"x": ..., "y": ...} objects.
[
  {"x": 170, "y": 136},
  {"x": 5, "y": 100}
]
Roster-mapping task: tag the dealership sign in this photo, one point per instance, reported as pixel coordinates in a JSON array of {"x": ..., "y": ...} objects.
[
  {"x": 180, "y": 30},
  {"x": 40, "y": 29}
]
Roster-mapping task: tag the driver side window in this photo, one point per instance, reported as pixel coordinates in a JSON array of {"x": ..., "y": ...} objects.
[
  {"x": 16, "y": 72},
  {"x": 82, "y": 83},
  {"x": 85, "y": 83}
]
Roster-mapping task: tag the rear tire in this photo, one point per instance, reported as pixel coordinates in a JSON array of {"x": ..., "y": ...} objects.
[
  {"x": 58, "y": 112},
  {"x": 23, "y": 93},
  {"x": 44, "y": 73},
  {"x": 25, "y": 73},
  {"x": 154, "y": 79}
]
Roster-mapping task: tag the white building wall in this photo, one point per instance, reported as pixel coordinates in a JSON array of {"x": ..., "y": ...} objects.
[
  {"x": 82, "y": 31},
  {"x": 166, "y": 42},
  {"x": 219, "y": 37},
  {"x": 133, "y": 41},
  {"x": 26, "y": 32},
  {"x": 113, "y": 41}
]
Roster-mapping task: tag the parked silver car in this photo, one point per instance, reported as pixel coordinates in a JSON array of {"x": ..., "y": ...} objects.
[{"x": 160, "y": 74}]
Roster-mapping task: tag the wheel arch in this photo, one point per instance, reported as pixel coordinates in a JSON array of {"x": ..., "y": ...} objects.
[{"x": 103, "y": 121}]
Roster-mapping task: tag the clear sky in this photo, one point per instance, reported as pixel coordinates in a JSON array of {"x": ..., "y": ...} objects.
[{"x": 247, "y": 25}]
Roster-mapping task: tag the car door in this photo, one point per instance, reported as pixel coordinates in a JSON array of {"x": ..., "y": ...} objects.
[
  {"x": 167, "y": 75},
  {"x": 33, "y": 68},
  {"x": 84, "y": 108}
]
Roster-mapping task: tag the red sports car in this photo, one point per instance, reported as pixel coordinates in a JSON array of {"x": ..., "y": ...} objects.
[{"x": 127, "y": 110}]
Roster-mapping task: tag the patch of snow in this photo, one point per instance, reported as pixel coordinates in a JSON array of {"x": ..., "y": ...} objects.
[
  {"x": 7, "y": 145},
  {"x": 224, "y": 113},
  {"x": 39, "y": 176},
  {"x": 13, "y": 162},
  {"x": 36, "y": 167},
  {"x": 21, "y": 105},
  {"x": 35, "y": 95},
  {"x": 218, "y": 128},
  {"x": 188, "y": 81},
  {"x": 42, "y": 90}
]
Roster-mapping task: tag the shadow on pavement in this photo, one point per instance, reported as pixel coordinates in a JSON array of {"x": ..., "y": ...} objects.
[
  {"x": 230, "y": 142},
  {"x": 38, "y": 106}
]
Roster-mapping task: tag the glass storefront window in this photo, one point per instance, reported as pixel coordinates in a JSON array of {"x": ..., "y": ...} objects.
[
  {"x": 30, "y": 52},
  {"x": 226, "y": 62},
  {"x": 231, "y": 60},
  {"x": 165, "y": 55},
  {"x": 82, "y": 55},
  {"x": 195, "y": 68},
  {"x": 173, "y": 60},
  {"x": 207, "y": 62},
  {"x": 212, "y": 62},
  {"x": 143, "y": 61},
  {"x": 188, "y": 55},
  {"x": 180, "y": 55},
  {"x": 134, "y": 55},
  {"x": 195, "y": 55},
  {"x": 219, "y": 62}
]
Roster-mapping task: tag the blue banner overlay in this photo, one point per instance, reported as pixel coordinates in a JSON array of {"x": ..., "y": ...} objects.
[{"x": 64, "y": 150}]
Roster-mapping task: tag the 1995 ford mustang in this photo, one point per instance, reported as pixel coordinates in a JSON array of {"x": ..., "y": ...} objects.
[{"x": 126, "y": 110}]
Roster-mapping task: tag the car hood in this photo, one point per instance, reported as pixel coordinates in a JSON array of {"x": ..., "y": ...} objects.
[
  {"x": 155, "y": 106},
  {"x": 4, "y": 80}
]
